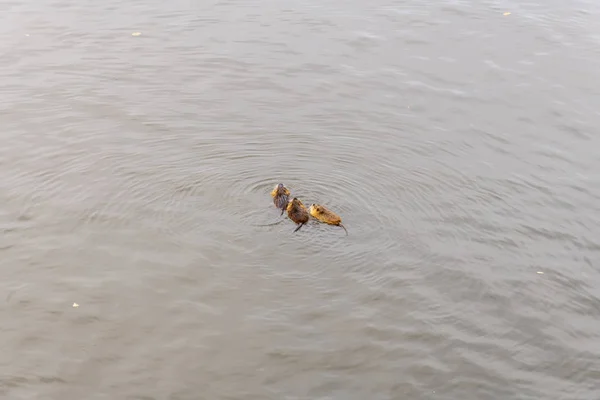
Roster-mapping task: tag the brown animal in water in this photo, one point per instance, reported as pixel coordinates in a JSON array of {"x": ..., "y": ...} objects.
[
  {"x": 281, "y": 197},
  {"x": 325, "y": 215},
  {"x": 297, "y": 212}
]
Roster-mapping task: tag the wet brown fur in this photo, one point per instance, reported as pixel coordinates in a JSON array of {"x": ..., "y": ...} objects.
[
  {"x": 297, "y": 212},
  {"x": 323, "y": 214},
  {"x": 281, "y": 197}
]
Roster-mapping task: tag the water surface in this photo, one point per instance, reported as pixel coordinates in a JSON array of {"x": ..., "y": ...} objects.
[{"x": 459, "y": 145}]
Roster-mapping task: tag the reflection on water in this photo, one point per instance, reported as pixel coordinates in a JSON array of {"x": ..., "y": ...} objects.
[{"x": 456, "y": 143}]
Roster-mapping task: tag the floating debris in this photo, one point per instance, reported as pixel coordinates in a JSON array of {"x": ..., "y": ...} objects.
[
  {"x": 75, "y": 305},
  {"x": 136, "y": 33},
  {"x": 540, "y": 272},
  {"x": 506, "y": 13}
]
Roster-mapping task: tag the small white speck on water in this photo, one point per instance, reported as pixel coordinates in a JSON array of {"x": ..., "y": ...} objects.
[
  {"x": 136, "y": 33},
  {"x": 540, "y": 272},
  {"x": 75, "y": 305}
]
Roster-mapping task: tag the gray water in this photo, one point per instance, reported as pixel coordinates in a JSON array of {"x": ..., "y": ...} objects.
[{"x": 458, "y": 144}]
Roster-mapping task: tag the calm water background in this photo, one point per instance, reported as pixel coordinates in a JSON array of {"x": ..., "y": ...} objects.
[{"x": 459, "y": 145}]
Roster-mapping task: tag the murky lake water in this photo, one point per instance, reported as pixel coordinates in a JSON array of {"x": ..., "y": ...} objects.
[{"x": 459, "y": 145}]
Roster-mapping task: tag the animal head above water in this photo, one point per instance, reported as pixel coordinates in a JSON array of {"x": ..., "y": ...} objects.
[{"x": 317, "y": 208}]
